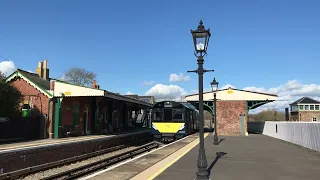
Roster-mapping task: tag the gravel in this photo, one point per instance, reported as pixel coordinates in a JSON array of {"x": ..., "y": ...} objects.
[{"x": 50, "y": 172}]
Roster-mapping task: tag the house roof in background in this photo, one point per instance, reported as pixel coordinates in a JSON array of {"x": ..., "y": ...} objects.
[{"x": 305, "y": 100}]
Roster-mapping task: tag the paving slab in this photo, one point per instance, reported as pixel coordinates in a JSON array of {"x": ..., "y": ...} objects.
[{"x": 249, "y": 158}]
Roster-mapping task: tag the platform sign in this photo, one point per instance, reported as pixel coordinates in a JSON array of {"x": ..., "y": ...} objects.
[{"x": 287, "y": 114}]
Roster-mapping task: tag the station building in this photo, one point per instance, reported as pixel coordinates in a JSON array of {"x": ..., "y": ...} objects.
[
  {"x": 65, "y": 107},
  {"x": 232, "y": 108},
  {"x": 305, "y": 109}
]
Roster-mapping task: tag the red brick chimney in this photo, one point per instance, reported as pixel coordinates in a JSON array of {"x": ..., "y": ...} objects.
[{"x": 95, "y": 85}]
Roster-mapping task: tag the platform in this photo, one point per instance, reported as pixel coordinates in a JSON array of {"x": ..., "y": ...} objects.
[
  {"x": 245, "y": 158},
  {"x": 51, "y": 142},
  {"x": 31, "y": 154}
]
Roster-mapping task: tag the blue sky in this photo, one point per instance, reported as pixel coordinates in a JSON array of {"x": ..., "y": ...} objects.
[{"x": 253, "y": 43}]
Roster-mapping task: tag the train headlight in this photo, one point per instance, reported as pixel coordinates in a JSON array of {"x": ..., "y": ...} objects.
[
  {"x": 181, "y": 127},
  {"x": 154, "y": 127}
]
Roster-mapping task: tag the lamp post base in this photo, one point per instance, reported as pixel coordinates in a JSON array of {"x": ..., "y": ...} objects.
[
  {"x": 202, "y": 165},
  {"x": 215, "y": 140},
  {"x": 202, "y": 176}
]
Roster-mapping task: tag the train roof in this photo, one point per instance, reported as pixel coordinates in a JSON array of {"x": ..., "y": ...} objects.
[
  {"x": 189, "y": 105},
  {"x": 175, "y": 104}
]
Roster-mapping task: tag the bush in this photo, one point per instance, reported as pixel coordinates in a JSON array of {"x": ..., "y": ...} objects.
[{"x": 10, "y": 97}]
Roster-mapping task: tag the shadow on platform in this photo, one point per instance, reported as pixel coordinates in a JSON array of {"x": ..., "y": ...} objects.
[{"x": 219, "y": 155}]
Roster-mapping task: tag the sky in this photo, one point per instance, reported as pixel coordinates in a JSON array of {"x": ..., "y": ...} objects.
[{"x": 146, "y": 48}]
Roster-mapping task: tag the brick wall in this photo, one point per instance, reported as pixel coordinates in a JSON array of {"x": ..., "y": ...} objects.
[
  {"x": 67, "y": 112},
  {"x": 15, "y": 160},
  {"x": 228, "y": 117},
  {"x": 39, "y": 100},
  {"x": 308, "y": 115}
]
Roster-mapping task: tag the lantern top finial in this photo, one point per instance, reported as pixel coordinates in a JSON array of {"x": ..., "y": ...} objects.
[
  {"x": 201, "y": 26},
  {"x": 214, "y": 82}
]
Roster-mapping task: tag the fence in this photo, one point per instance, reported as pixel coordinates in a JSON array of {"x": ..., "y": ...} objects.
[
  {"x": 20, "y": 128},
  {"x": 306, "y": 134}
]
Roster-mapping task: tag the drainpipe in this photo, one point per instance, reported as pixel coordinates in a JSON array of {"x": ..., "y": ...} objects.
[{"x": 50, "y": 100}]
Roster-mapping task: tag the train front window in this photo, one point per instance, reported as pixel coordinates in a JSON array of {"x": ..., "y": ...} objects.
[
  {"x": 178, "y": 115},
  {"x": 167, "y": 115},
  {"x": 157, "y": 117}
]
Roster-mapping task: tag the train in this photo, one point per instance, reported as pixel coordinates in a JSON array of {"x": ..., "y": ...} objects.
[{"x": 173, "y": 120}]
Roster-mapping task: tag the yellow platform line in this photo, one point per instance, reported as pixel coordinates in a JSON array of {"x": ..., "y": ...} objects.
[{"x": 161, "y": 166}]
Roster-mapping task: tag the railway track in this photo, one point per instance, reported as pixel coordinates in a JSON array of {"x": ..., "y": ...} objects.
[
  {"x": 93, "y": 167},
  {"x": 34, "y": 169}
]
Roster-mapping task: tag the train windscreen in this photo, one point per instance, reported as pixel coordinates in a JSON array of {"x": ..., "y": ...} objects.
[{"x": 167, "y": 115}]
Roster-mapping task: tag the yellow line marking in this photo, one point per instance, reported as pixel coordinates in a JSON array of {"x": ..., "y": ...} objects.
[
  {"x": 176, "y": 159},
  {"x": 164, "y": 164}
]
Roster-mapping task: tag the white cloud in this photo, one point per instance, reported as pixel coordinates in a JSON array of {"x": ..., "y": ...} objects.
[
  {"x": 178, "y": 78},
  {"x": 196, "y": 91},
  {"x": 129, "y": 93},
  {"x": 30, "y": 71},
  {"x": 148, "y": 83},
  {"x": 7, "y": 67},
  {"x": 287, "y": 93},
  {"x": 227, "y": 86},
  {"x": 167, "y": 92}
]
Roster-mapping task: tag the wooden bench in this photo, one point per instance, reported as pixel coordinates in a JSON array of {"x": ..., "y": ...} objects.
[{"x": 70, "y": 131}]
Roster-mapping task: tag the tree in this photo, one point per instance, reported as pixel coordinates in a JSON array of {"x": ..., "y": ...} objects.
[
  {"x": 10, "y": 97},
  {"x": 79, "y": 76},
  {"x": 2, "y": 76},
  {"x": 268, "y": 115}
]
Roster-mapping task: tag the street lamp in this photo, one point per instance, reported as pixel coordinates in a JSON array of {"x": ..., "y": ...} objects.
[
  {"x": 214, "y": 85},
  {"x": 201, "y": 38}
]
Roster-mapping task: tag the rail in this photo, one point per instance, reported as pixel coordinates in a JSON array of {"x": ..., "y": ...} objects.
[
  {"x": 90, "y": 168},
  {"x": 34, "y": 169}
]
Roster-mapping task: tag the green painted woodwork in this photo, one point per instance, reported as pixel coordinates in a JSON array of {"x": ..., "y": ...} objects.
[
  {"x": 75, "y": 114},
  {"x": 57, "y": 109},
  {"x": 207, "y": 105}
]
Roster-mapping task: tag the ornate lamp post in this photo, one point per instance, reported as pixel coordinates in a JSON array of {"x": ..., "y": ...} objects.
[
  {"x": 201, "y": 38},
  {"x": 214, "y": 85}
]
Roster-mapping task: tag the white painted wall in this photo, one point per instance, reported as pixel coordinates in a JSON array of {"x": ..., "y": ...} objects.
[
  {"x": 233, "y": 94},
  {"x": 74, "y": 90},
  {"x": 306, "y": 134}
]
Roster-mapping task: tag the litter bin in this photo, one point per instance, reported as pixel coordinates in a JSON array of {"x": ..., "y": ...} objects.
[{"x": 26, "y": 110}]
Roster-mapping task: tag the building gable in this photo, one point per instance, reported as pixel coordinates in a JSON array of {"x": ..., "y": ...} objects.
[
  {"x": 234, "y": 94},
  {"x": 34, "y": 80}
]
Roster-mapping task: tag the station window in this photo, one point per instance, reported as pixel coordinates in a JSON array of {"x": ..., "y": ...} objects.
[
  {"x": 306, "y": 107},
  {"x": 314, "y": 119},
  {"x": 311, "y": 107},
  {"x": 316, "y": 107},
  {"x": 301, "y": 107}
]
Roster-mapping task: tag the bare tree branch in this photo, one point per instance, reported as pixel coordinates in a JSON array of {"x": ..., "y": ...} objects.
[
  {"x": 2, "y": 75},
  {"x": 79, "y": 76}
]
